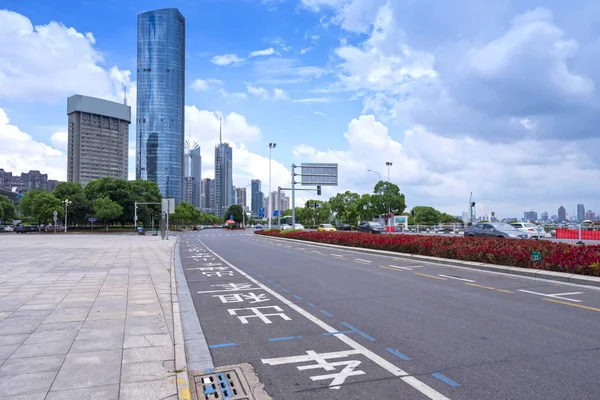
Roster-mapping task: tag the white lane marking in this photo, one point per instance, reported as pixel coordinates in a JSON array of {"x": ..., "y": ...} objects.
[
  {"x": 398, "y": 267},
  {"x": 317, "y": 251},
  {"x": 336, "y": 255},
  {"x": 360, "y": 259},
  {"x": 458, "y": 279},
  {"x": 388, "y": 366},
  {"x": 554, "y": 296}
]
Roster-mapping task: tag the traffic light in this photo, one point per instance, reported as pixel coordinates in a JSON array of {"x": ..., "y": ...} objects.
[{"x": 318, "y": 190}]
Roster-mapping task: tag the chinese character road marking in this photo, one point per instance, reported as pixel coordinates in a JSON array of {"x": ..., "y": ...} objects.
[
  {"x": 321, "y": 362},
  {"x": 231, "y": 287},
  {"x": 218, "y": 273},
  {"x": 239, "y": 298},
  {"x": 258, "y": 314}
]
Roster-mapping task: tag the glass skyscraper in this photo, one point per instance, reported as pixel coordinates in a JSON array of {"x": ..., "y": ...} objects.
[
  {"x": 161, "y": 100},
  {"x": 224, "y": 193}
]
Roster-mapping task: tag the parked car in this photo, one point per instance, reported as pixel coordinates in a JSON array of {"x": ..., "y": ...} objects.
[
  {"x": 285, "y": 227},
  {"x": 326, "y": 228},
  {"x": 531, "y": 229},
  {"x": 258, "y": 226},
  {"x": 343, "y": 227},
  {"x": 371, "y": 227},
  {"x": 299, "y": 227},
  {"x": 495, "y": 229},
  {"x": 25, "y": 229}
]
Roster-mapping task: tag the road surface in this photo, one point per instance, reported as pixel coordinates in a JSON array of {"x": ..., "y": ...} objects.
[{"x": 321, "y": 323}]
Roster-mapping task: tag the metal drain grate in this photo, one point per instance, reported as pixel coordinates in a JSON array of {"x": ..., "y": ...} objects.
[{"x": 220, "y": 385}]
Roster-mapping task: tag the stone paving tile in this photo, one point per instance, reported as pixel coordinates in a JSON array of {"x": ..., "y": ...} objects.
[{"x": 86, "y": 317}]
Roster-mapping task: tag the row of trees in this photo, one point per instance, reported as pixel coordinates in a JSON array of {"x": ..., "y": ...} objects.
[
  {"x": 186, "y": 214},
  {"x": 351, "y": 207},
  {"x": 106, "y": 199},
  {"x": 8, "y": 212}
]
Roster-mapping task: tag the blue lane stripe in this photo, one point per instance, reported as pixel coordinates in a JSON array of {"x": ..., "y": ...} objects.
[
  {"x": 277, "y": 339},
  {"x": 297, "y": 297},
  {"x": 270, "y": 281},
  {"x": 361, "y": 333},
  {"x": 310, "y": 304},
  {"x": 445, "y": 379},
  {"x": 285, "y": 290},
  {"x": 398, "y": 354},
  {"x": 216, "y": 346},
  {"x": 325, "y": 313},
  {"x": 209, "y": 370},
  {"x": 260, "y": 276},
  {"x": 277, "y": 285}
]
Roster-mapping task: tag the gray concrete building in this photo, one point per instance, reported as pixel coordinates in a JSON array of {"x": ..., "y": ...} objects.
[
  {"x": 98, "y": 139},
  {"x": 208, "y": 196}
]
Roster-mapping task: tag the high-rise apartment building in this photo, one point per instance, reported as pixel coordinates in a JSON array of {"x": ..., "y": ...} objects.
[
  {"x": 26, "y": 181},
  {"x": 161, "y": 100},
  {"x": 257, "y": 198},
  {"x": 193, "y": 169},
  {"x": 285, "y": 203},
  {"x": 545, "y": 216},
  {"x": 590, "y": 215},
  {"x": 208, "y": 196},
  {"x": 580, "y": 212},
  {"x": 240, "y": 196},
  {"x": 98, "y": 139},
  {"x": 562, "y": 214},
  {"x": 530, "y": 215},
  {"x": 223, "y": 177}
]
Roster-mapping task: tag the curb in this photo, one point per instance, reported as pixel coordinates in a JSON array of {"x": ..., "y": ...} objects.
[
  {"x": 183, "y": 383},
  {"x": 586, "y": 280}
]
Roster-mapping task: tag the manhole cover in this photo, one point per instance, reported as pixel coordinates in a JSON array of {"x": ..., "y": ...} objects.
[{"x": 229, "y": 383}]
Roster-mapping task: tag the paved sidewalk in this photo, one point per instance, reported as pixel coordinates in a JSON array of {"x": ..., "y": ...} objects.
[{"x": 86, "y": 317}]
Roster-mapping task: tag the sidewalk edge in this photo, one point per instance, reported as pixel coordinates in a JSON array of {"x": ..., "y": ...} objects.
[
  {"x": 183, "y": 383},
  {"x": 585, "y": 280}
]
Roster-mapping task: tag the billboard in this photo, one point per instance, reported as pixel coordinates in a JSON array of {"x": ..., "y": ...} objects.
[{"x": 318, "y": 174}]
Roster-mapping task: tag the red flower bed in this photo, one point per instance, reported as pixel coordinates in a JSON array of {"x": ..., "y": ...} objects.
[{"x": 577, "y": 259}]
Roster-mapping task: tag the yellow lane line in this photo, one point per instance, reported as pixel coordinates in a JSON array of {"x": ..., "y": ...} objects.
[
  {"x": 431, "y": 276},
  {"x": 573, "y": 305},
  {"x": 391, "y": 269},
  {"x": 489, "y": 288},
  {"x": 480, "y": 286}
]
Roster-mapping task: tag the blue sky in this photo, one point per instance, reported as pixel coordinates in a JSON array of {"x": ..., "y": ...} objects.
[{"x": 498, "y": 98}]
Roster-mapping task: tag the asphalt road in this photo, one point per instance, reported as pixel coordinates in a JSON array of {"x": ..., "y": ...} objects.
[{"x": 348, "y": 325}]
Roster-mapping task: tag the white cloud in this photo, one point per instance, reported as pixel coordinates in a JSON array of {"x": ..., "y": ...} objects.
[
  {"x": 60, "y": 140},
  {"x": 203, "y": 125},
  {"x": 311, "y": 100},
  {"x": 50, "y": 62},
  {"x": 203, "y": 85},
  {"x": 226, "y": 59},
  {"x": 305, "y": 50},
  {"x": 20, "y": 152},
  {"x": 232, "y": 95},
  {"x": 276, "y": 94},
  {"x": 431, "y": 169},
  {"x": 265, "y": 52}
]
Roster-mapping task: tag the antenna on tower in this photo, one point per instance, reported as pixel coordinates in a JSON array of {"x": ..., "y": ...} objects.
[
  {"x": 124, "y": 94},
  {"x": 220, "y": 132}
]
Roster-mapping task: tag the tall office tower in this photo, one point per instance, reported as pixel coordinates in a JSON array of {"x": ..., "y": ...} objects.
[
  {"x": 580, "y": 212},
  {"x": 98, "y": 139},
  {"x": 562, "y": 214},
  {"x": 208, "y": 195},
  {"x": 285, "y": 203},
  {"x": 161, "y": 100},
  {"x": 223, "y": 176},
  {"x": 240, "y": 196},
  {"x": 193, "y": 169},
  {"x": 256, "y": 197}
]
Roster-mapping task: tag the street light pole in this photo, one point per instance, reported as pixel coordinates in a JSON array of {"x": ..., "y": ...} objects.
[
  {"x": 66, "y": 202},
  {"x": 270, "y": 211},
  {"x": 389, "y": 164}
]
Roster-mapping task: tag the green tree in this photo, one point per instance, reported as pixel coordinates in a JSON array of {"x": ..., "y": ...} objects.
[
  {"x": 185, "y": 214},
  {"x": 346, "y": 206},
  {"x": 424, "y": 215},
  {"x": 26, "y": 202},
  {"x": 107, "y": 210},
  {"x": 145, "y": 192},
  {"x": 386, "y": 198},
  {"x": 365, "y": 207},
  {"x": 237, "y": 211},
  {"x": 118, "y": 190},
  {"x": 43, "y": 206},
  {"x": 79, "y": 208},
  {"x": 8, "y": 212}
]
